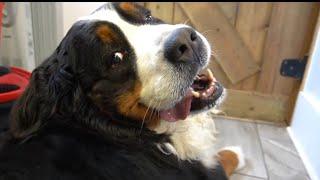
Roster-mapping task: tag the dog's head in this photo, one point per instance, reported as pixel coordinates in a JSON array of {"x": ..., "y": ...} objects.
[{"x": 117, "y": 64}]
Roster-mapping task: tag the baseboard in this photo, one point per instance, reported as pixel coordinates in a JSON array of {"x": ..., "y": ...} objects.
[{"x": 255, "y": 106}]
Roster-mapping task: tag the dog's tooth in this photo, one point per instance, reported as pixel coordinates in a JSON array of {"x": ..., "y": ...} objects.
[
  {"x": 210, "y": 75},
  {"x": 195, "y": 94}
]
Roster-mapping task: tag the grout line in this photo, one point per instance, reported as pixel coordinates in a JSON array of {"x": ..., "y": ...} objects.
[
  {"x": 263, "y": 153},
  {"x": 255, "y": 124},
  {"x": 257, "y": 177},
  {"x": 282, "y": 147}
]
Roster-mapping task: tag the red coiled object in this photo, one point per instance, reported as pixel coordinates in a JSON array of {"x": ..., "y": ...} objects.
[{"x": 13, "y": 81}]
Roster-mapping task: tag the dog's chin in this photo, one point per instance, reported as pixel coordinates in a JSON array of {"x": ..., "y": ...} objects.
[{"x": 204, "y": 92}]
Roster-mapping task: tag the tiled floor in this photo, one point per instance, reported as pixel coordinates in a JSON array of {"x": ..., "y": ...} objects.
[{"x": 270, "y": 153}]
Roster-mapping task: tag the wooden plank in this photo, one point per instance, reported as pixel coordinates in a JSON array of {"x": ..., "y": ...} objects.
[
  {"x": 287, "y": 33},
  {"x": 218, "y": 73},
  {"x": 298, "y": 31},
  {"x": 141, "y": 3},
  {"x": 252, "y": 24},
  {"x": 253, "y": 105},
  {"x": 162, "y": 10},
  {"x": 274, "y": 123},
  {"x": 233, "y": 56},
  {"x": 179, "y": 17},
  {"x": 230, "y": 10}
]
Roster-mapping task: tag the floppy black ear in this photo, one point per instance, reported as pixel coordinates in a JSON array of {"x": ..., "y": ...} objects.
[{"x": 49, "y": 93}]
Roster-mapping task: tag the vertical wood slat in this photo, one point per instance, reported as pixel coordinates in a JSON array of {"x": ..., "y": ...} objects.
[
  {"x": 299, "y": 31},
  {"x": 252, "y": 24},
  {"x": 179, "y": 17},
  {"x": 285, "y": 39},
  {"x": 230, "y": 10},
  {"x": 163, "y": 10}
]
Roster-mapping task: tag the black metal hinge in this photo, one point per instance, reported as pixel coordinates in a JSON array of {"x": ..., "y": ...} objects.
[{"x": 293, "y": 67}]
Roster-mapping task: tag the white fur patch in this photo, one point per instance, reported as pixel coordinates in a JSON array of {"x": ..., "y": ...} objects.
[{"x": 193, "y": 138}]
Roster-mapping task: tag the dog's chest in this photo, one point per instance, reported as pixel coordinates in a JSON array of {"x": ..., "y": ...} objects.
[{"x": 192, "y": 138}]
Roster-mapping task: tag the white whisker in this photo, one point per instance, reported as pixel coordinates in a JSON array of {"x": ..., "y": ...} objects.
[
  {"x": 185, "y": 22},
  {"x": 145, "y": 116}
]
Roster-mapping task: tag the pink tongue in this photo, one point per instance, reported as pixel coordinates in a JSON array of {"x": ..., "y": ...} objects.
[{"x": 180, "y": 111}]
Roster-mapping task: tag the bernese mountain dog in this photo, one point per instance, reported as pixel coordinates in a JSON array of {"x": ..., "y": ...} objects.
[{"x": 121, "y": 97}]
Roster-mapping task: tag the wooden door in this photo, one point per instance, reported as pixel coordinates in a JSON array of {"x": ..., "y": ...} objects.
[{"x": 249, "y": 41}]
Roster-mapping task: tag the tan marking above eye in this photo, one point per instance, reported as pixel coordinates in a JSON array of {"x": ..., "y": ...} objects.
[
  {"x": 127, "y": 6},
  {"x": 106, "y": 34},
  {"x": 130, "y": 10}
]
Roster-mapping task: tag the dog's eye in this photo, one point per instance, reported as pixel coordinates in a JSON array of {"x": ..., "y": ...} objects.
[
  {"x": 148, "y": 18},
  {"x": 117, "y": 58}
]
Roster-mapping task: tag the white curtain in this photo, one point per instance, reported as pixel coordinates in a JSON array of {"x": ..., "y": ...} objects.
[
  {"x": 17, "y": 45},
  {"x": 32, "y": 30}
]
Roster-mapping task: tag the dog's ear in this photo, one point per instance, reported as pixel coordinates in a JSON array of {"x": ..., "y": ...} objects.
[{"x": 49, "y": 93}]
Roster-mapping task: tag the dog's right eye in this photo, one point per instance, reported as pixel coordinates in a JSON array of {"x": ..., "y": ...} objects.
[
  {"x": 148, "y": 18},
  {"x": 117, "y": 58}
]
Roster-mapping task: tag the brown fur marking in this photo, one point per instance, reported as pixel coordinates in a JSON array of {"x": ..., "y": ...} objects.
[
  {"x": 130, "y": 9},
  {"x": 106, "y": 34},
  {"x": 229, "y": 161},
  {"x": 126, "y": 6},
  {"x": 128, "y": 105}
]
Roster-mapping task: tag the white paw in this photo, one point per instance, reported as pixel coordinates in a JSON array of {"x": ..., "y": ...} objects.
[{"x": 239, "y": 152}]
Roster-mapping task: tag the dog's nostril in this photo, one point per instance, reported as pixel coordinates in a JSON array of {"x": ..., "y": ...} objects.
[
  {"x": 182, "y": 48},
  {"x": 193, "y": 36},
  {"x": 182, "y": 45}
]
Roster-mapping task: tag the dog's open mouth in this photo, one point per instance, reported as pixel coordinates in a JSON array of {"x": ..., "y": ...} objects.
[{"x": 204, "y": 92}]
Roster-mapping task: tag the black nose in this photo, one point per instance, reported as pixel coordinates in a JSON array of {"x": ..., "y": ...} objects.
[{"x": 181, "y": 45}]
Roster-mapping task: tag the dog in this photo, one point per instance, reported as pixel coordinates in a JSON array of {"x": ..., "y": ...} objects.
[{"x": 121, "y": 97}]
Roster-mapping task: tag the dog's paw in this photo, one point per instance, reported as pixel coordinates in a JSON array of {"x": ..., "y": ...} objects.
[{"x": 240, "y": 156}]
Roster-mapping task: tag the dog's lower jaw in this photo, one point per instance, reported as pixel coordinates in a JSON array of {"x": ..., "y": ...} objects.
[{"x": 192, "y": 138}]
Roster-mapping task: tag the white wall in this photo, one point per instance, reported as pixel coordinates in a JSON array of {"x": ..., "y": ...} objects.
[{"x": 305, "y": 127}]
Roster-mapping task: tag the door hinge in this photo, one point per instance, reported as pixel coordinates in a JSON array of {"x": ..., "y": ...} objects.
[{"x": 293, "y": 67}]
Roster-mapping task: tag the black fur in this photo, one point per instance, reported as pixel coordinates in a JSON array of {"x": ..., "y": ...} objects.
[
  {"x": 63, "y": 151},
  {"x": 66, "y": 126}
]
